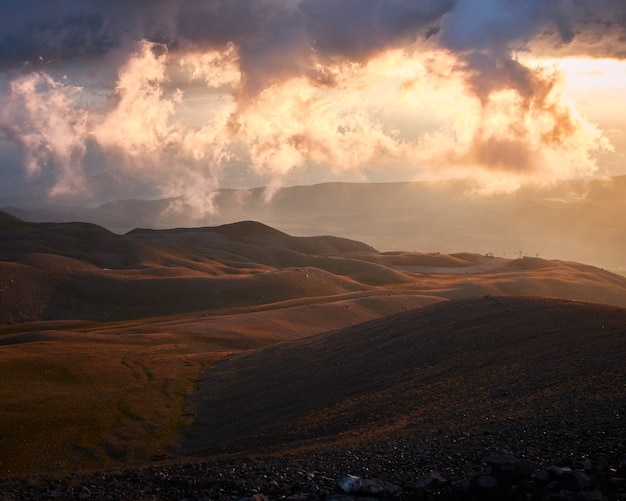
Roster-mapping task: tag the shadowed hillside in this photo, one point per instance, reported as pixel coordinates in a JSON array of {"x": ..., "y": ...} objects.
[
  {"x": 473, "y": 366},
  {"x": 77, "y": 270}
]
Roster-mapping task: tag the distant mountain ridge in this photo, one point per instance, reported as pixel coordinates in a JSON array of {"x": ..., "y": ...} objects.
[{"x": 578, "y": 220}]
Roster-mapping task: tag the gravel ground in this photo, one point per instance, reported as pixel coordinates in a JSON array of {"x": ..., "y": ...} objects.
[{"x": 533, "y": 460}]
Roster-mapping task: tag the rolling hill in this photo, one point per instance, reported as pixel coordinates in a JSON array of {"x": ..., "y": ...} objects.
[
  {"x": 242, "y": 339},
  {"x": 576, "y": 220},
  {"x": 82, "y": 271},
  {"x": 499, "y": 366}
]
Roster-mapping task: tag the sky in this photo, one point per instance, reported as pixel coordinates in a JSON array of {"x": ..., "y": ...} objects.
[{"x": 111, "y": 99}]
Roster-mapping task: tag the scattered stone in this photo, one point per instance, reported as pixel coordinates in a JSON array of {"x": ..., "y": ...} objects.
[
  {"x": 594, "y": 495},
  {"x": 487, "y": 482},
  {"x": 317, "y": 478},
  {"x": 577, "y": 480},
  {"x": 349, "y": 484},
  {"x": 557, "y": 471},
  {"x": 339, "y": 497},
  {"x": 430, "y": 480},
  {"x": 462, "y": 484},
  {"x": 509, "y": 464},
  {"x": 371, "y": 486}
]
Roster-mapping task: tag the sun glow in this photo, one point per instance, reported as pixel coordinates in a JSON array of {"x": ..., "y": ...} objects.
[
  {"x": 587, "y": 73},
  {"x": 595, "y": 85}
]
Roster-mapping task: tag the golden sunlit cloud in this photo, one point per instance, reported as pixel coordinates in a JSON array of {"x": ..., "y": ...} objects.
[
  {"x": 424, "y": 111},
  {"x": 141, "y": 123},
  {"x": 588, "y": 73},
  {"x": 216, "y": 68},
  {"x": 145, "y": 131},
  {"x": 299, "y": 122},
  {"x": 505, "y": 133},
  {"x": 51, "y": 129},
  {"x": 178, "y": 99}
]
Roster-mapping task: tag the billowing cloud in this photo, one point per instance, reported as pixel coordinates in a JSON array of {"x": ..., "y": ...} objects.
[
  {"x": 141, "y": 122},
  {"x": 42, "y": 117},
  {"x": 176, "y": 93},
  {"x": 294, "y": 123},
  {"x": 144, "y": 131}
]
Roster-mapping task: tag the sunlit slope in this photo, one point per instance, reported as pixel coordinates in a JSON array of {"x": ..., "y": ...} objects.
[
  {"x": 82, "y": 271},
  {"x": 84, "y": 394}
]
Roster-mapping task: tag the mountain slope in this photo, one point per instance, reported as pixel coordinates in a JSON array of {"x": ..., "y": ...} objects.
[
  {"x": 82, "y": 271},
  {"x": 473, "y": 365}
]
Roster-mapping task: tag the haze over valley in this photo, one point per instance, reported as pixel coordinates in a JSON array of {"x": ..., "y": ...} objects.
[{"x": 579, "y": 220}]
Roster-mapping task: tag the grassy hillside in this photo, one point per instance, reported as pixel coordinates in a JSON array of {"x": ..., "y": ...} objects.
[{"x": 104, "y": 338}]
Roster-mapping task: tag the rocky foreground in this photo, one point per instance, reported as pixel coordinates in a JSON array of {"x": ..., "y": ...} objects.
[
  {"x": 503, "y": 476},
  {"x": 446, "y": 468}
]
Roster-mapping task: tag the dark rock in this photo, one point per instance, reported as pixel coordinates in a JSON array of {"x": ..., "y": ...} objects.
[
  {"x": 576, "y": 480},
  {"x": 564, "y": 495},
  {"x": 594, "y": 495},
  {"x": 339, "y": 497},
  {"x": 371, "y": 486},
  {"x": 553, "y": 486},
  {"x": 349, "y": 483},
  {"x": 542, "y": 475},
  {"x": 430, "y": 480},
  {"x": 487, "y": 482},
  {"x": 316, "y": 478},
  {"x": 557, "y": 471},
  {"x": 462, "y": 484},
  {"x": 391, "y": 488},
  {"x": 508, "y": 463}
]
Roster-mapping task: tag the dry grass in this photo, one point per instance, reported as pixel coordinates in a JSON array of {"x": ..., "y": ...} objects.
[
  {"x": 88, "y": 395},
  {"x": 90, "y": 402},
  {"x": 106, "y": 337}
]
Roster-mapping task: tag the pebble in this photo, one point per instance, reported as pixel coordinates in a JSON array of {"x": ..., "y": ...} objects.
[{"x": 503, "y": 476}]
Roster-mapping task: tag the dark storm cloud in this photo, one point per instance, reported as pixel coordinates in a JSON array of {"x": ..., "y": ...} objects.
[
  {"x": 496, "y": 24},
  {"x": 596, "y": 26},
  {"x": 276, "y": 38},
  {"x": 269, "y": 35},
  {"x": 279, "y": 35},
  {"x": 41, "y": 31},
  {"x": 356, "y": 28}
]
